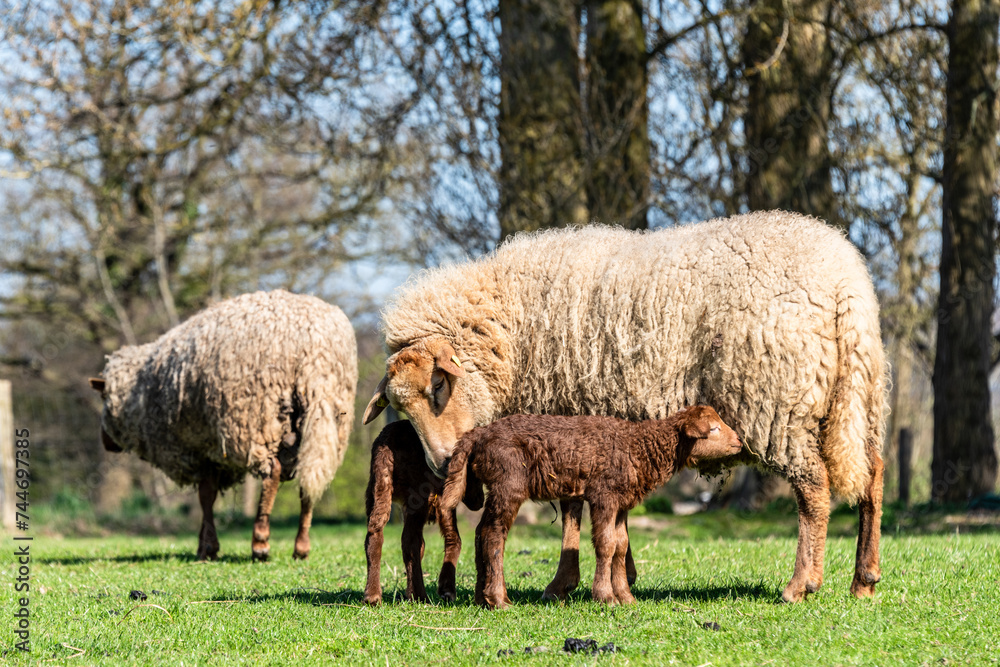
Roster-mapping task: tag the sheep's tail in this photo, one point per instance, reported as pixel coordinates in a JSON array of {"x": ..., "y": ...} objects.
[
  {"x": 322, "y": 448},
  {"x": 454, "y": 486},
  {"x": 851, "y": 439}
]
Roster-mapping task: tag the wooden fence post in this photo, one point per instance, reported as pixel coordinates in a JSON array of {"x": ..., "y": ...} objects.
[
  {"x": 7, "y": 454},
  {"x": 905, "y": 454}
]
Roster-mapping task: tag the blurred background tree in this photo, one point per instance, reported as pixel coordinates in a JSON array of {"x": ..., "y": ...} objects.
[{"x": 159, "y": 157}]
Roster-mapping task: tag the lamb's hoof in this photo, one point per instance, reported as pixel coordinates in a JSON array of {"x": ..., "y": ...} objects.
[
  {"x": 630, "y": 578},
  {"x": 863, "y": 585},
  {"x": 496, "y": 602},
  {"x": 813, "y": 586},
  {"x": 792, "y": 595},
  {"x": 608, "y": 599},
  {"x": 373, "y": 599},
  {"x": 558, "y": 591},
  {"x": 300, "y": 555},
  {"x": 260, "y": 555},
  {"x": 208, "y": 554},
  {"x": 447, "y": 595}
]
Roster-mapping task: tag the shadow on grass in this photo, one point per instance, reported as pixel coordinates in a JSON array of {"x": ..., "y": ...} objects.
[
  {"x": 143, "y": 558},
  {"x": 349, "y": 597}
]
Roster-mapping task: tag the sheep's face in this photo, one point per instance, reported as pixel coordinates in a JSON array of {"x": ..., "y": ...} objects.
[
  {"x": 710, "y": 437},
  {"x": 428, "y": 383},
  {"x": 99, "y": 385}
]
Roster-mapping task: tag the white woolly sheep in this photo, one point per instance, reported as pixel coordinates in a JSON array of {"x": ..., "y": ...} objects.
[
  {"x": 770, "y": 317},
  {"x": 262, "y": 383}
]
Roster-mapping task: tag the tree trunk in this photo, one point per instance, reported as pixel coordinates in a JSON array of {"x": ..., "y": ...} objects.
[
  {"x": 965, "y": 460},
  {"x": 540, "y": 125},
  {"x": 787, "y": 58},
  {"x": 617, "y": 112}
]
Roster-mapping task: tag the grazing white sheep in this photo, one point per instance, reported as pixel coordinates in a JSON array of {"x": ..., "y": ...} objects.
[
  {"x": 770, "y": 317},
  {"x": 262, "y": 383}
]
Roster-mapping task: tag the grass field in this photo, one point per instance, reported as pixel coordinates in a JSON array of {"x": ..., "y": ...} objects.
[{"x": 938, "y": 603}]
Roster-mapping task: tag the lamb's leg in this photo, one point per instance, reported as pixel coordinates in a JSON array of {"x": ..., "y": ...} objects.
[
  {"x": 259, "y": 547},
  {"x": 491, "y": 537},
  {"x": 452, "y": 549},
  {"x": 305, "y": 522},
  {"x": 602, "y": 528},
  {"x": 619, "y": 576},
  {"x": 414, "y": 518},
  {"x": 866, "y": 566},
  {"x": 568, "y": 573},
  {"x": 373, "y": 553},
  {"x": 630, "y": 572},
  {"x": 813, "y": 497},
  {"x": 208, "y": 541}
]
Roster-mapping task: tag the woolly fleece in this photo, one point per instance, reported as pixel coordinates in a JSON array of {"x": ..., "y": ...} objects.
[
  {"x": 769, "y": 317},
  {"x": 225, "y": 391}
]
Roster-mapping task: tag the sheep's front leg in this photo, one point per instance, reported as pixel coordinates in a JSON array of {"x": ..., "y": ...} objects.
[
  {"x": 208, "y": 540},
  {"x": 305, "y": 523},
  {"x": 452, "y": 549},
  {"x": 813, "y": 497},
  {"x": 414, "y": 518},
  {"x": 866, "y": 566},
  {"x": 604, "y": 535},
  {"x": 619, "y": 565},
  {"x": 568, "y": 573},
  {"x": 259, "y": 547},
  {"x": 491, "y": 537}
]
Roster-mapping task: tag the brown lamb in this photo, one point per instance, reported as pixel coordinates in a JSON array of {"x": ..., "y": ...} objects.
[
  {"x": 399, "y": 472},
  {"x": 611, "y": 463}
]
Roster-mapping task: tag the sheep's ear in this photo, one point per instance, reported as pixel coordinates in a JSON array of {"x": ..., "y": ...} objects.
[
  {"x": 448, "y": 361},
  {"x": 97, "y": 383},
  {"x": 378, "y": 403}
]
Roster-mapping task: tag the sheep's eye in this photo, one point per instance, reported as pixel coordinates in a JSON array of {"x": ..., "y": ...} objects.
[{"x": 714, "y": 429}]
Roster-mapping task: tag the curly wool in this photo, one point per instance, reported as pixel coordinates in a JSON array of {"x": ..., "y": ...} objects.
[
  {"x": 771, "y": 318},
  {"x": 262, "y": 375}
]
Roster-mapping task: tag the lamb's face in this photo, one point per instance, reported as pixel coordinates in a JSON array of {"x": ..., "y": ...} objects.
[
  {"x": 428, "y": 383},
  {"x": 711, "y": 437}
]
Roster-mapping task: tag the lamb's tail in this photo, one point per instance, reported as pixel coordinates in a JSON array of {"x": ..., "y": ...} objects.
[
  {"x": 851, "y": 439},
  {"x": 322, "y": 448},
  {"x": 378, "y": 495},
  {"x": 454, "y": 486}
]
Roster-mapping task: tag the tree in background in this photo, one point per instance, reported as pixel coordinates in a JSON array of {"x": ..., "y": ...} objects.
[{"x": 965, "y": 460}]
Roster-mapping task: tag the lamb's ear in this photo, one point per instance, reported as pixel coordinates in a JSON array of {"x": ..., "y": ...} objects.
[
  {"x": 448, "y": 361},
  {"x": 378, "y": 402},
  {"x": 97, "y": 383},
  {"x": 696, "y": 428}
]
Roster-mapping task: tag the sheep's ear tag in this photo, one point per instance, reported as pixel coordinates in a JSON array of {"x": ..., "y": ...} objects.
[
  {"x": 458, "y": 362},
  {"x": 378, "y": 402}
]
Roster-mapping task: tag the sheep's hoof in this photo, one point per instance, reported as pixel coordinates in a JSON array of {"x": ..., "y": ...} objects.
[
  {"x": 300, "y": 555},
  {"x": 558, "y": 590},
  {"x": 792, "y": 595},
  {"x": 260, "y": 555},
  {"x": 496, "y": 602},
  {"x": 608, "y": 599},
  {"x": 447, "y": 594},
  {"x": 373, "y": 599}
]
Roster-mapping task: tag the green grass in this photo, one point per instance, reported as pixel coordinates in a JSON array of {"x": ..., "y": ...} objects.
[{"x": 938, "y": 602}]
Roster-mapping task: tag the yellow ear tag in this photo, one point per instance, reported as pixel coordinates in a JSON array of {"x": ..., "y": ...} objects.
[
  {"x": 457, "y": 361},
  {"x": 382, "y": 402}
]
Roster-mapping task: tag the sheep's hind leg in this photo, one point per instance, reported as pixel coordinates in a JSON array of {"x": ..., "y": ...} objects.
[
  {"x": 259, "y": 547},
  {"x": 568, "y": 573},
  {"x": 813, "y": 498},
  {"x": 452, "y": 550},
  {"x": 866, "y": 567},
  {"x": 208, "y": 541},
  {"x": 414, "y": 517},
  {"x": 305, "y": 523}
]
